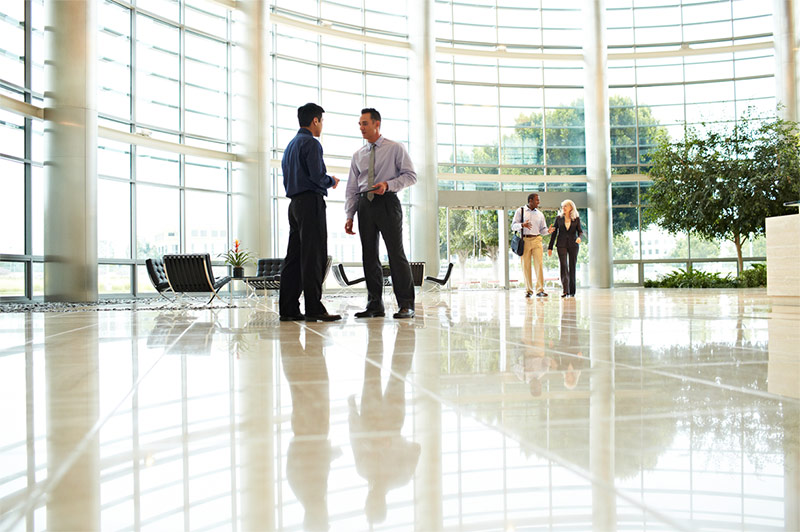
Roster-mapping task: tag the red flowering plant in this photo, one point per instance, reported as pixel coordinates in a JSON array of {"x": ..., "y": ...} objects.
[{"x": 238, "y": 256}]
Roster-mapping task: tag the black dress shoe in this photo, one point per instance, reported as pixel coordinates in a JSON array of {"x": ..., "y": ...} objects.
[
  {"x": 541, "y": 294},
  {"x": 370, "y": 314},
  {"x": 528, "y": 294},
  {"x": 404, "y": 313},
  {"x": 296, "y": 317},
  {"x": 323, "y": 317},
  {"x": 564, "y": 295}
]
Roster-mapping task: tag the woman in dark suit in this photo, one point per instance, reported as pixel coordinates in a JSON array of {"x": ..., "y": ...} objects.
[{"x": 566, "y": 236}]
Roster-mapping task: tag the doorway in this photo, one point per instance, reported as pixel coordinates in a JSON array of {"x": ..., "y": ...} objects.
[
  {"x": 470, "y": 239},
  {"x": 474, "y": 232}
]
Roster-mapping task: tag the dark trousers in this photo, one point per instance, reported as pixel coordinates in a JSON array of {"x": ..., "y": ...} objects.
[
  {"x": 568, "y": 260},
  {"x": 383, "y": 216},
  {"x": 306, "y": 255}
]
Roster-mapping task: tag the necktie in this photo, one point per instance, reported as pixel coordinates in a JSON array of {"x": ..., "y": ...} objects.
[{"x": 371, "y": 173}]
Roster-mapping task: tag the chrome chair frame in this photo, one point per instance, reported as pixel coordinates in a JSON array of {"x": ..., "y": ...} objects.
[{"x": 158, "y": 277}]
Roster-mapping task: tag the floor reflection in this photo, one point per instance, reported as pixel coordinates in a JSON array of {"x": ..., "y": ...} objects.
[
  {"x": 382, "y": 455},
  {"x": 181, "y": 333},
  {"x": 309, "y": 455},
  {"x": 641, "y": 409}
]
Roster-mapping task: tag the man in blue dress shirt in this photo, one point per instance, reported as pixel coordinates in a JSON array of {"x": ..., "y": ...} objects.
[
  {"x": 306, "y": 181},
  {"x": 379, "y": 170}
]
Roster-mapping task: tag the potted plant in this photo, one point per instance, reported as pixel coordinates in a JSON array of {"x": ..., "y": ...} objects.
[{"x": 237, "y": 257}]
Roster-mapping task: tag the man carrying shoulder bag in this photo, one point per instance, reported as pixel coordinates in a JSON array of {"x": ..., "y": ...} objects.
[
  {"x": 517, "y": 242},
  {"x": 530, "y": 222}
]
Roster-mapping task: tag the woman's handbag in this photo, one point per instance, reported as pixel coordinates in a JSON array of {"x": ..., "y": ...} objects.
[{"x": 517, "y": 242}]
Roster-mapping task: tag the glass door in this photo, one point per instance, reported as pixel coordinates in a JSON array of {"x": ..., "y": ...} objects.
[{"x": 472, "y": 239}]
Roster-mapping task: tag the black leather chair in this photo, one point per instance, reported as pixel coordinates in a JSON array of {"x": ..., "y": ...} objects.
[
  {"x": 417, "y": 272},
  {"x": 268, "y": 274},
  {"x": 444, "y": 275},
  {"x": 158, "y": 276},
  {"x": 341, "y": 277},
  {"x": 387, "y": 275},
  {"x": 192, "y": 273}
]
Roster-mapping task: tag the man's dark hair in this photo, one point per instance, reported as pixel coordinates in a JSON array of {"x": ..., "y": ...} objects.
[
  {"x": 308, "y": 112},
  {"x": 373, "y": 113},
  {"x": 530, "y": 196}
]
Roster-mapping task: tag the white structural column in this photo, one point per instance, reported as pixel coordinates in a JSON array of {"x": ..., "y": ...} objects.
[
  {"x": 70, "y": 143},
  {"x": 598, "y": 144},
  {"x": 503, "y": 226},
  {"x": 251, "y": 180},
  {"x": 785, "y": 20},
  {"x": 424, "y": 195}
]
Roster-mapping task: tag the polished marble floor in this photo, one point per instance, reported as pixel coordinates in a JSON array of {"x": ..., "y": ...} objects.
[{"x": 624, "y": 409}]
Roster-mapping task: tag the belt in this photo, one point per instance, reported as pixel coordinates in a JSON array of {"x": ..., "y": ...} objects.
[
  {"x": 305, "y": 193},
  {"x": 531, "y": 236},
  {"x": 364, "y": 193}
]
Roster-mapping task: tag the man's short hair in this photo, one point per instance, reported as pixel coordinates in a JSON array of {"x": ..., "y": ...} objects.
[
  {"x": 531, "y": 195},
  {"x": 373, "y": 113},
  {"x": 308, "y": 112}
]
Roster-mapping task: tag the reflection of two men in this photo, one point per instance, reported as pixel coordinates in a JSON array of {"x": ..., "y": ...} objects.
[
  {"x": 309, "y": 457},
  {"x": 382, "y": 455}
]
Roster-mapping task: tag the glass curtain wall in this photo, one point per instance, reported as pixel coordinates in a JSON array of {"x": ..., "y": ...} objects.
[
  {"x": 504, "y": 123},
  {"x": 509, "y": 117},
  {"x": 644, "y": 251},
  {"x": 502, "y": 117},
  {"x": 343, "y": 75},
  {"x": 164, "y": 73},
  {"x": 21, "y": 150},
  {"x": 656, "y": 95}
]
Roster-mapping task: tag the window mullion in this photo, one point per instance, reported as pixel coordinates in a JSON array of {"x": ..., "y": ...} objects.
[
  {"x": 28, "y": 169},
  {"x": 182, "y": 239}
]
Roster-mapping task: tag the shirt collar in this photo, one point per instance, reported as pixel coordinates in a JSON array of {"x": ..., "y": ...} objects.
[
  {"x": 377, "y": 143},
  {"x": 304, "y": 131}
]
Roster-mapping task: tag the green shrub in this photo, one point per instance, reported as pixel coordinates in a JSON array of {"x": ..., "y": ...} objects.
[{"x": 755, "y": 276}]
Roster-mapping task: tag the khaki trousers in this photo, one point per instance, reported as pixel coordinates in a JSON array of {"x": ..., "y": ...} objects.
[{"x": 533, "y": 248}]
